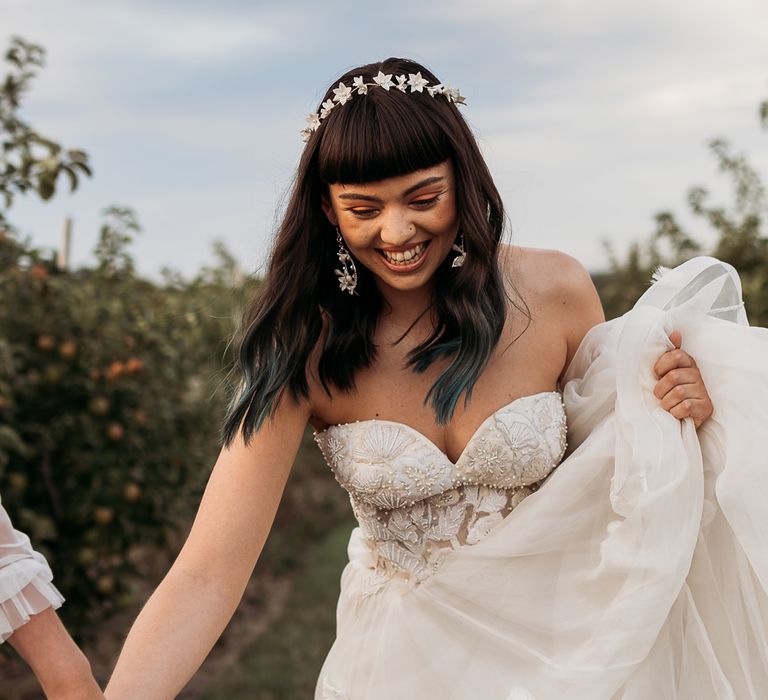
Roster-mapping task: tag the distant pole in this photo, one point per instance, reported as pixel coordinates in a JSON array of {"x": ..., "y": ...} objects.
[{"x": 62, "y": 261}]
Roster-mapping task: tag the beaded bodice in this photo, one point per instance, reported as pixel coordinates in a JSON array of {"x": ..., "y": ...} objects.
[{"x": 414, "y": 505}]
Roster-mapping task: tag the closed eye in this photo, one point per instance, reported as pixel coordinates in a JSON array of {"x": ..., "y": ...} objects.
[
  {"x": 363, "y": 213},
  {"x": 424, "y": 203},
  {"x": 419, "y": 203}
]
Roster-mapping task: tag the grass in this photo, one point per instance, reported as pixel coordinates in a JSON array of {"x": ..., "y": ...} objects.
[{"x": 284, "y": 662}]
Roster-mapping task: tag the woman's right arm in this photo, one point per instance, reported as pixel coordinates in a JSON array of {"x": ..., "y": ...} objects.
[{"x": 194, "y": 602}]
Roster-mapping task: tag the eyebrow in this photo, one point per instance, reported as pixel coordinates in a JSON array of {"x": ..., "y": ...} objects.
[{"x": 413, "y": 188}]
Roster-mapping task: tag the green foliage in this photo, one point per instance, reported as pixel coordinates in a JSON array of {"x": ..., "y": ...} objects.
[
  {"x": 739, "y": 229},
  {"x": 28, "y": 160},
  {"x": 109, "y": 412},
  {"x": 117, "y": 232},
  {"x": 112, "y": 393}
]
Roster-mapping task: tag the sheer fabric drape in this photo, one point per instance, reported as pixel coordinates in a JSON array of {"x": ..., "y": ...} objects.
[
  {"x": 638, "y": 569},
  {"x": 25, "y": 579}
]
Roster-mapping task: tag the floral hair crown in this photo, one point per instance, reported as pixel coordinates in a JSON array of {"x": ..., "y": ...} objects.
[{"x": 343, "y": 93}]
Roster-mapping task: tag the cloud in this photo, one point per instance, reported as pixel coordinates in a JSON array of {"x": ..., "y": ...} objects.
[
  {"x": 643, "y": 60},
  {"x": 188, "y": 32},
  {"x": 166, "y": 33},
  {"x": 104, "y": 40},
  {"x": 532, "y": 22},
  {"x": 592, "y": 115}
]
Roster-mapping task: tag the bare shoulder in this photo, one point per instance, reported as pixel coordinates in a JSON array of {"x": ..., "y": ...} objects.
[
  {"x": 562, "y": 286},
  {"x": 548, "y": 272}
]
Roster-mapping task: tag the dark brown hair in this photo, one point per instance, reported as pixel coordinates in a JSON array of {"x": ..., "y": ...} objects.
[{"x": 374, "y": 136}]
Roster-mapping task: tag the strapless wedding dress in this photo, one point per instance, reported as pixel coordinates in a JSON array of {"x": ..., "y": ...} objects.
[{"x": 627, "y": 563}]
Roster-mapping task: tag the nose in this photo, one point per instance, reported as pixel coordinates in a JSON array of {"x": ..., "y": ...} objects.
[{"x": 397, "y": 228}]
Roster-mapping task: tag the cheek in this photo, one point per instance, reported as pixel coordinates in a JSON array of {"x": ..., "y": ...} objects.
[
  {"x": 447, "y": 219},
  {"x": 357, "y": 235},
  {"x": 447, "y": 210}
]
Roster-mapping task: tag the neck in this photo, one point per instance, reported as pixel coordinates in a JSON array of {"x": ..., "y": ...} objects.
[{"x": 403, "y": 307}]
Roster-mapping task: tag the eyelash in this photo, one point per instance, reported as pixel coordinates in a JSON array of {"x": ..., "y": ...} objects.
[{"x": 422, "y": 203}]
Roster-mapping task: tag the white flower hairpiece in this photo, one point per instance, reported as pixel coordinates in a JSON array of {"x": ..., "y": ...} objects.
[{"x": 343, "y": 94}]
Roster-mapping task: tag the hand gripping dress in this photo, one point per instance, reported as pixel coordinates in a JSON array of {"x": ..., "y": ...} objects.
[{"x": 629, "y": 563}]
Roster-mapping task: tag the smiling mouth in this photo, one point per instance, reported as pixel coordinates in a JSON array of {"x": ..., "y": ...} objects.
[{"x": 407, "y": 257}]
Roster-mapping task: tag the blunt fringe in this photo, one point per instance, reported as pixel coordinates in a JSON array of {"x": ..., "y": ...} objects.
[{"x": 372, "y": 137}]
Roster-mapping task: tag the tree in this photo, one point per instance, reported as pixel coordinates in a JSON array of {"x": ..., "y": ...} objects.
[
  {"x": 112, "y": 391},
  {"x": 740, "y": 238},
  {"x": 28, "y": 160}
]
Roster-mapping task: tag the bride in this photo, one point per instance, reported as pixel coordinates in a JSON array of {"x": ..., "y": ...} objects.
[{"x": 559, "y": 534}]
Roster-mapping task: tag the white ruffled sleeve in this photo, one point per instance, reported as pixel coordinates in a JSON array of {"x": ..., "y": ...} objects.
[{"x": 25, "y": 579}]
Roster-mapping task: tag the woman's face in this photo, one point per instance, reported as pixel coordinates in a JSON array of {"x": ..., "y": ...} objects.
[{"x": 401, "y": 228}]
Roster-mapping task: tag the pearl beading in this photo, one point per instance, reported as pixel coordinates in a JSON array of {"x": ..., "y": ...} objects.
[{"x": 414, "y": 505}]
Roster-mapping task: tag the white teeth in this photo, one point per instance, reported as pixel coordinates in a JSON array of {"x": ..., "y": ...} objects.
[{"x": 406, "y": 256}]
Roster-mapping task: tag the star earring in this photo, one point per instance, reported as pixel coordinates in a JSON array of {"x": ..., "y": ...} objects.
[
  {"x": 347, "y": 279},
  {"x": 458, "y": 261}
]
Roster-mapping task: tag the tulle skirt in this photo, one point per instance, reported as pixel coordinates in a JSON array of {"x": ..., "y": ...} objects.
[{"x": 638, "y": 570}]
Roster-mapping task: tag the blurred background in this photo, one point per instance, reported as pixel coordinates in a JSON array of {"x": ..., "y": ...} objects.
[{"x": 147, "y": 149}]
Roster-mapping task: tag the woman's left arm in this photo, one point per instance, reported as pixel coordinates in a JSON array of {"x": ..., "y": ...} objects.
[{"x": 680, "y": 387}]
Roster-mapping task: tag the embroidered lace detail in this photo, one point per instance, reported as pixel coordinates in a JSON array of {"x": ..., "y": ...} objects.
[
  {"x": 414, "y": 505},
  {"x": 520, "y": 693}
]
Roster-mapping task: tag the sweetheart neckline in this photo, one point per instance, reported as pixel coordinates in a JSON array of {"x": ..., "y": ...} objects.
[{"x": 420, "y": 435}]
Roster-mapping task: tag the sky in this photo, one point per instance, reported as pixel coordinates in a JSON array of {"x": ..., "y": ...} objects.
[{"x": 593, "y": 115}]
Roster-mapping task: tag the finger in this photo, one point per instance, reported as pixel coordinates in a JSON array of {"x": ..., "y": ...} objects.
[
  {"x": 695, "y": 408},
  {"x": 683, "y": 393},
  {"x": 677, "y": 394},
  {"x": 671, "y": 359},
  {"x": 676, "y": 338},
  {"x": 679, "y": 376}
]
